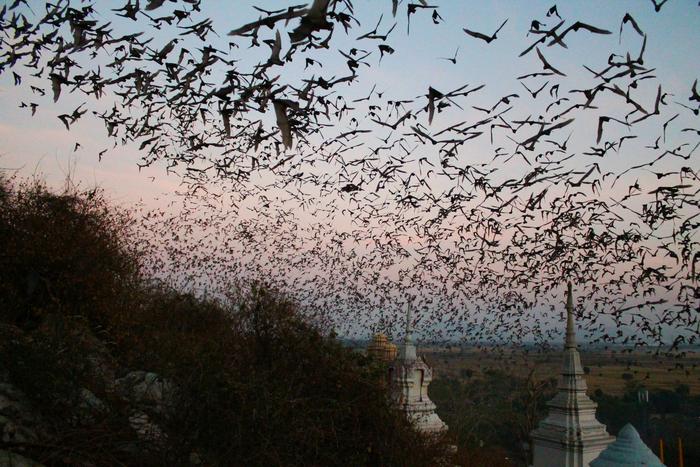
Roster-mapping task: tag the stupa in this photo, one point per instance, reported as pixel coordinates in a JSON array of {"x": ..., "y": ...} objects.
[
  {"x": 570, "y": 436},
  {"x": 381, "y": 348},
  {"x": 628, "y": 450},
  {"x": 410, "y": 377}
]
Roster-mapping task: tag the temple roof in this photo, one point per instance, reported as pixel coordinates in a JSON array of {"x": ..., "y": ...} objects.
[
  {"x": 627, "y": 450},
  {"x": 381, "y": 348},
  {"x": 380, "y": 339}
]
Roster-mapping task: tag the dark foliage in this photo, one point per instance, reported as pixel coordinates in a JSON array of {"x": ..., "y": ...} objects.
[
  {"x": 669, "y": 415},
  {"x": 63, "y": 253},
  {"x": 492, "y": 416},
  {"x": 254, "y": 383}
]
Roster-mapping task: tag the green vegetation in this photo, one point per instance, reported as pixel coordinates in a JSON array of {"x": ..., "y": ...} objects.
[
  {"x": 493, "y": 412},
  {"x": 669, "y": 415},
  {"x": 250, "y": 382}
]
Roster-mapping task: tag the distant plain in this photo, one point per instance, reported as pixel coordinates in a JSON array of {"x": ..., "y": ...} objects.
[{"x": 605, "y": 368}]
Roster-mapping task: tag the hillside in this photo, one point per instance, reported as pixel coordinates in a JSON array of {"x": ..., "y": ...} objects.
[{"x": 102, "y": 366}]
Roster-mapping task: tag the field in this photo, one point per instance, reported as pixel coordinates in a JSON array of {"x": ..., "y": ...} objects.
[
  {"x": 607, "y": 370},
  {"x": 494, "y": 401}
]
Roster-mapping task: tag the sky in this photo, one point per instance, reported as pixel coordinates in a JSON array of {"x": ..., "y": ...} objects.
[{"x": 40, "y": 145}]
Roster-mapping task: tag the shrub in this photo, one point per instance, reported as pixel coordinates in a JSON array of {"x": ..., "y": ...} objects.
[
  {"x": 683, "y": 390},
  {"x": 62, "y": 253},
  {"x": 665, "y": 401}
]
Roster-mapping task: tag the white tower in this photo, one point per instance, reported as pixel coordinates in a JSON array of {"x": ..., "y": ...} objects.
[
  {"x": 570, "y": 436},
  {"x": 410, "y": 378}
]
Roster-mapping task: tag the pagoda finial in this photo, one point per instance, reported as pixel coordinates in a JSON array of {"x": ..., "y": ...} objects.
[
  {"x": 381, "y": 325},
  {"x": 570, "y": 342},
  {"x": 408, "y": 349},
  {"x": 409, "y": 330}
]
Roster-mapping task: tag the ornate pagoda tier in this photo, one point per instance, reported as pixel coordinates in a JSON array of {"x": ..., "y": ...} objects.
[
  {"x": 410, "y": 377},
  {"x": 381, "y": 349},
  {"x": 570, "y": 436}
]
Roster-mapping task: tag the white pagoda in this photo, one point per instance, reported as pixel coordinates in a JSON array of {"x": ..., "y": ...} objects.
[
  {"x": 410, "y": 377},
  {"x": 628, "y": 450},
  {"x": 570, "y": 436}
]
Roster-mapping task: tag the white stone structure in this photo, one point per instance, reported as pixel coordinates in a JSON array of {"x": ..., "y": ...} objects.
[
  {"x": 570, "y": 436},
  {"x": 628, "y": 450},
  {"x": 410, "y": 377}
]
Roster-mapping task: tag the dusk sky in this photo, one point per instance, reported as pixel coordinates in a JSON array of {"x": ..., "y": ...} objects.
[{"x": 41, "y": 145}]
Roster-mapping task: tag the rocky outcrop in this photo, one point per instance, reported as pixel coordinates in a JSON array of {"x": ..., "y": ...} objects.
[
  {"x": 11, "y": 459},
  {"x": 146, "y": 389},
  {"x": 19, "y": 424},
  {"x": 149, "y": 396},
  {"x": 18, "y": 421},
  {"x": 152, "y": 397}
]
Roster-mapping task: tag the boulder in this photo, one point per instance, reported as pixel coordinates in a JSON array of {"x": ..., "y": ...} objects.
[
  {"x": 89, "y": 407},
  {"x": 146, "y": 429},
  {"x": 146, "y": 389},
  {"x": 18, "y": 422},
  {"x": 152, "y": 397},
  {"x": 10, "y": 459}
]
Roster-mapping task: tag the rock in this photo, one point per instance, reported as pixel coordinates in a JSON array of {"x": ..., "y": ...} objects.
[
  {"x": 195, "y": 459},
  {"x": 146, "y": 389},
  {"x": 10, "y": 459},
  {"x": 146, "y": 429},
  {"x": 18, "y": 422},
  {"x": 151, "y": 397},
  {"x": 89, "y": 401},
  {"x": 89, "y": 405}
]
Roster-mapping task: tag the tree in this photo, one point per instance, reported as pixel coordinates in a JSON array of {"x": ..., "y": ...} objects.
[
  {"x": 683, "y": 390},
  {"x": 64, "y": 253}
]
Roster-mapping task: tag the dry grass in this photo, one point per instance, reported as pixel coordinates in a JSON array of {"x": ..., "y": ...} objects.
[{"x": 606, "y": 368}]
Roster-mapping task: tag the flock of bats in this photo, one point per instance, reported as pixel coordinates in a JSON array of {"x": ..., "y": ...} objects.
[{"x": 358, "y": 202}]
